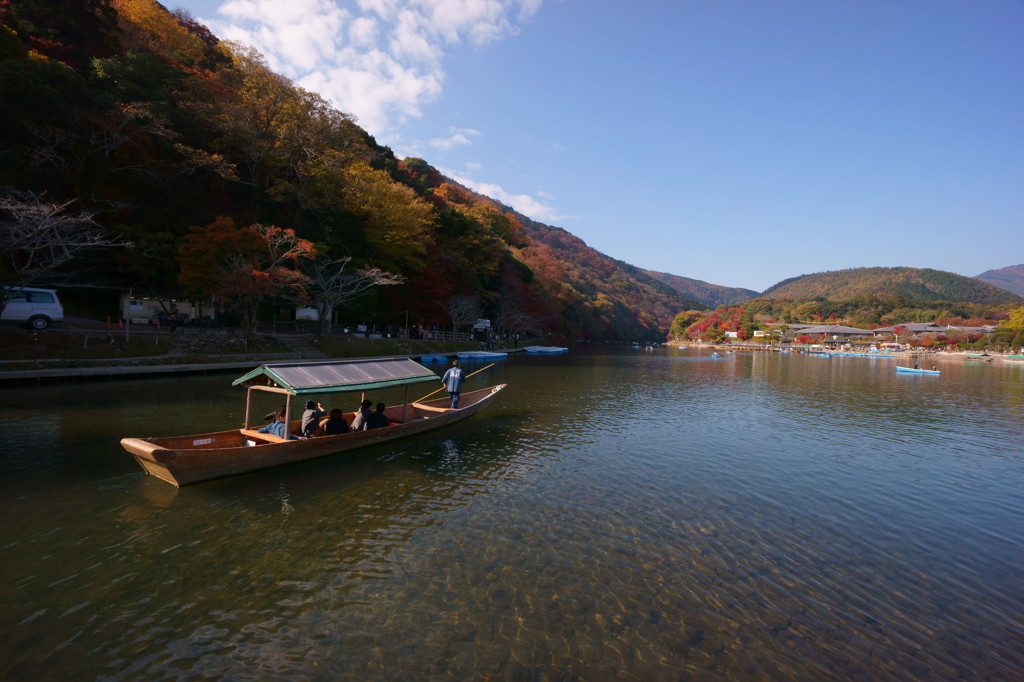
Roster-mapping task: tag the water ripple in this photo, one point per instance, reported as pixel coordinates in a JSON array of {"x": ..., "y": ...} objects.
[{"x": 660, "y": 517}]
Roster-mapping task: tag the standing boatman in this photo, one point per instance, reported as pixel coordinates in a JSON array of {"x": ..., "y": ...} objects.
[{"x": 452, "y": 380}]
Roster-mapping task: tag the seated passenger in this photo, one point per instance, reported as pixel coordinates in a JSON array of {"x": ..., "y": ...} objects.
[
  {"x": 336, "y": 425},
  {"x": 361, "y": 422},
  {"x": 311, "y": 417},
  {"x": 378, "y": 419},
  {"x": 278, "y": 427}
]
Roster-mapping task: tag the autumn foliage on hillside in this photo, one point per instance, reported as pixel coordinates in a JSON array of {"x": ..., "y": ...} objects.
[
  {"x": 863, "y": 312},
  {"x": 709, "y": 294},
  {"x": 1010, "y": 278},
  {"x": 168, "y": 133}
]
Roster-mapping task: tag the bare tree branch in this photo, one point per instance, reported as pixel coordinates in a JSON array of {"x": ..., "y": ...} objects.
[
  {"x": 39, "y": 237},
  {"x": 516, "y": 321},
  {"x": 335, "y": 288},
  {"x": 463, "y": 311}
]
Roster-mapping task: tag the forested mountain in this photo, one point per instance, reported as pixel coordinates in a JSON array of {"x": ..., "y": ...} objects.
[
  {"x": 920, "y": 284},
  {"x": 1010, "y": 278},
  {"x": 713, "y": 295},
  {"x": 196, "y": 170}
]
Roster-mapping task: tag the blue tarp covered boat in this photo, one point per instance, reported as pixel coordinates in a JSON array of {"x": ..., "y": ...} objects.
[{"x": 481, "y": 355}]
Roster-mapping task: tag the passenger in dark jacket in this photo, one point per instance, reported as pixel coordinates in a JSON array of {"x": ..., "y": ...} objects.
[
  {"x": 378, "y": 419},
  {"x": 361, "y": 422},
  {"x": 336, "y": 425}
]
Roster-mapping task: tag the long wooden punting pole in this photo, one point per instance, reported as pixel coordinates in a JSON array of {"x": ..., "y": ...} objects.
[{"x": 442, "y": 388}]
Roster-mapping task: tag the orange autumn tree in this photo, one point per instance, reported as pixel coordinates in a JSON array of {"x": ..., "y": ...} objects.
[{"x": 244, "y": 266}]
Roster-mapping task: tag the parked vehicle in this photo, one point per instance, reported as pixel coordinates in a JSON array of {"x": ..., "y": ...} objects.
[{"x": 33, "y": 308}]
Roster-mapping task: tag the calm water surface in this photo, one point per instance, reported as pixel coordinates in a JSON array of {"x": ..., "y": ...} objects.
[{"x": 617, "y": 514}]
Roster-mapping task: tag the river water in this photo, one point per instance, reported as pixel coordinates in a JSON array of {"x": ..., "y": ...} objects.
[{"x": 617, "y": 514}]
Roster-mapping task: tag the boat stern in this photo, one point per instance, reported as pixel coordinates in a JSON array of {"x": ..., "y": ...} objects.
[{"x": 148, "y": 455}]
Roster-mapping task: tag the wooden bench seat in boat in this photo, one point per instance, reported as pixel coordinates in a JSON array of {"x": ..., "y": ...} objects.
[{"x": 269, "y": 437}]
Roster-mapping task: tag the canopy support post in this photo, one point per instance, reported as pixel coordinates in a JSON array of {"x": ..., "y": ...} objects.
[
  {"x": 288, "y": 415},
  {"x": 248, "y": 408}
]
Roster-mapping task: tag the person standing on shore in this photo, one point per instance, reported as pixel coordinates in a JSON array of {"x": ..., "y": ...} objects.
[{"x": 452, "y": 380}]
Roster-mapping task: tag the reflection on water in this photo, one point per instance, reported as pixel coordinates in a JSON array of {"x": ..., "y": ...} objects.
[{"x": 651, "y": 516}]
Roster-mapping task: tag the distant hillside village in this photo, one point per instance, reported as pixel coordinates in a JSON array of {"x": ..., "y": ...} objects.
[{"x": 737, "y": 326}]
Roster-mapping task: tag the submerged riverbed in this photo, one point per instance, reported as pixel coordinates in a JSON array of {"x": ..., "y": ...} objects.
[{"x": 617, "y": 514}]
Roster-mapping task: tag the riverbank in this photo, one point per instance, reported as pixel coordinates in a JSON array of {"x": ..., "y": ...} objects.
[
  {"x": 83, "y": 354},
  {"x": 137, "y": 369}
]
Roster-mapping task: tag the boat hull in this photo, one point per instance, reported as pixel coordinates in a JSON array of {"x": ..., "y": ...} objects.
[{"x": 183, "y": 460}]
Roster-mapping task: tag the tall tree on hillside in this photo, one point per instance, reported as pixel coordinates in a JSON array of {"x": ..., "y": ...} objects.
[
  {"x": 1015, "y": 320},
  {"x": 289, "y": 144},
  {"x": 146, "y": 23},
  {"x": 245, "y": 267},
  {"x": 253, "y": 117},
  {"x": 683, "y": 321},
  {"x": 395, "y": 221},
  {"x": 70, "y": 31}
]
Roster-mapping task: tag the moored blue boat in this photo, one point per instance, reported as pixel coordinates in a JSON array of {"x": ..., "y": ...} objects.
[
  {"x": 911, "y": 370},
  {"x": 545, "y": 349},
  {"x": 481, "y": 355}
]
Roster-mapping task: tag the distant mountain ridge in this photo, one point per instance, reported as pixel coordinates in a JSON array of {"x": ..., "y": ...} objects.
[
  {"x": 712, "y": 295},
  {"x": 596, "y": 288},
  {"x": 1010, "y": 278},
  {"x": 922, "y": 284}
]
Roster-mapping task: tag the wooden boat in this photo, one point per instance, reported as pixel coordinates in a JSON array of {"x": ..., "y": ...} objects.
[
  {"x": 181, "y": 460},
  {"x": 911, "y": 370}
]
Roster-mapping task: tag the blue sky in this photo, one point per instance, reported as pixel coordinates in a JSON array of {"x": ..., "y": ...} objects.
[{"x": 739, "y": 142}]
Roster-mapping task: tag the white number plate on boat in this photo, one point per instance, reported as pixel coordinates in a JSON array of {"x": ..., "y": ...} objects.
[{"x": 203, "y": 441}]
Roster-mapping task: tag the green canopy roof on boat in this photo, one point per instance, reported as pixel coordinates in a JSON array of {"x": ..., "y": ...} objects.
[{"x": 333, "y": 376}]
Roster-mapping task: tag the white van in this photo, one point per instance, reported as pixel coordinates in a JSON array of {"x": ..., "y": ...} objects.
[{"x": 34, "y": 308}]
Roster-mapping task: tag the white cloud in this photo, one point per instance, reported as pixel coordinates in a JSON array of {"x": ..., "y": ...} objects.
[
  {"x": 295, "y": 36},
  {"x": 380, "y": 60},
  {"x": 458, "y": 138},
  {"x": 363, "y": 32},
  {"x": 524, "y": 203}
]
